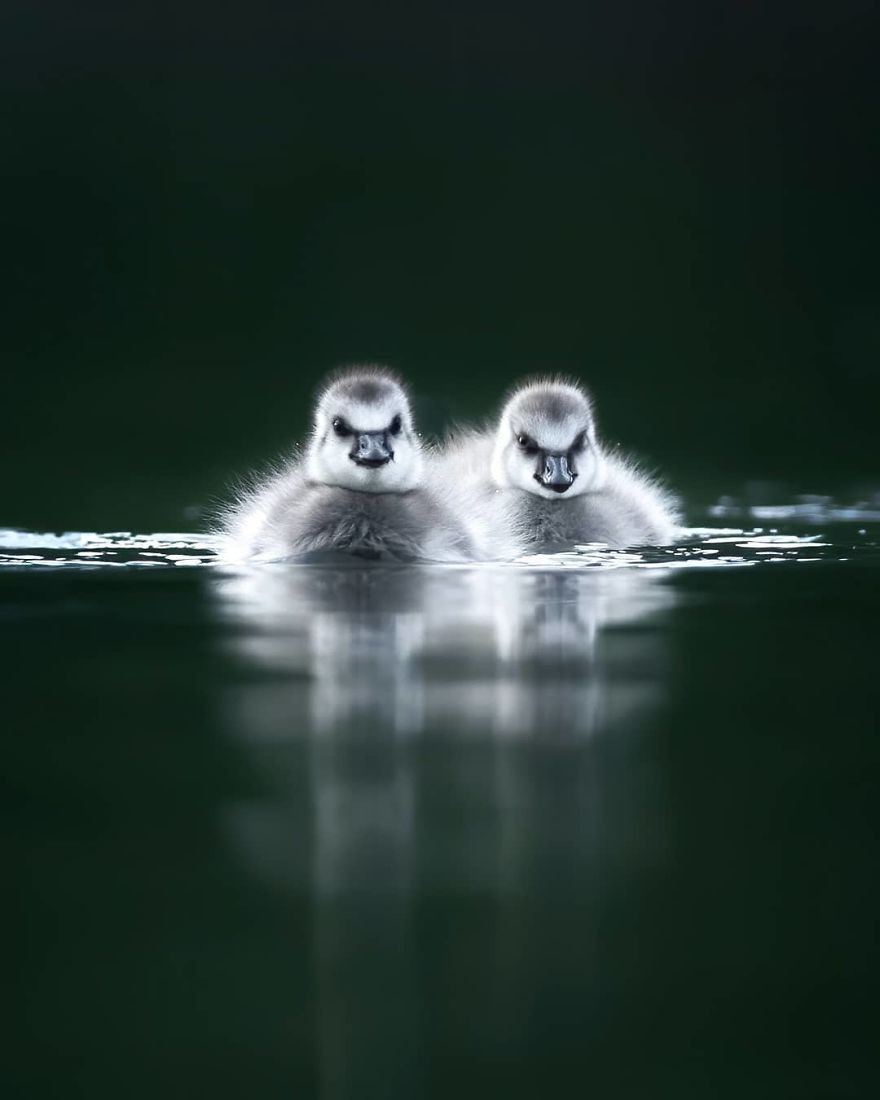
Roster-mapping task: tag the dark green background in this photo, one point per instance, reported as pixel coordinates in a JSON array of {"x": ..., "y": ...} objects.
[{"x": 208, "y": 207}]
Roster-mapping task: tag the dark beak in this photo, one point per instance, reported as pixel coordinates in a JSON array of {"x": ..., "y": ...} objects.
[
  {"x": 371, "y": 449},
  {"x": 555, "y": 473}
]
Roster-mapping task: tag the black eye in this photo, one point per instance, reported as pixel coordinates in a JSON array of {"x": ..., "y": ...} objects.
[
  {"x": 527, "y": 443},
  {"x": 396, "y": 425},
  {"x": 340, "y": 427}
]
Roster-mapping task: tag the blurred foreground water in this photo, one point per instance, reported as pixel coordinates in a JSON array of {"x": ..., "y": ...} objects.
[{"x": 601, "y": 821}]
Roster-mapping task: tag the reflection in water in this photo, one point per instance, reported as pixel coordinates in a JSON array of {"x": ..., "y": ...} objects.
[
  {"x": 491, "y": 651},
  {"x": 432, "y": 730}
]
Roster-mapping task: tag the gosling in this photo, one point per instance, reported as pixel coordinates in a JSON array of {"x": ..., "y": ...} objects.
[
  {"x": 562, "y": 486},
  {"x": 358, "y": 488}
]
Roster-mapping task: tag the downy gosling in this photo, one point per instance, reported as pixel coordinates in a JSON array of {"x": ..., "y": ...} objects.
[
  {"x": 558, "y": 483},
  {"x": 358, "y": 488}
]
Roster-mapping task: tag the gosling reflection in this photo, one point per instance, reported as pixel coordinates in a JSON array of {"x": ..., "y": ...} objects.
[
  {"x": 431, "y": 733},
  {"x": 346, "y": 639},
  {"x": 506, "y": 651}
]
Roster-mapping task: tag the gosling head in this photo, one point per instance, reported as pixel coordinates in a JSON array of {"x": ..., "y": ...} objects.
[
  {"x": 546, "y": 441},
  {"x": 363, "y": 436}
]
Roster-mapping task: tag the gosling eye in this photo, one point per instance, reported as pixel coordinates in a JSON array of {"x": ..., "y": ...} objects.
[
  {"x": 395, "y": 426},
  {"x": 340, "y": 426},
  {"x": 527, "y": 443}
]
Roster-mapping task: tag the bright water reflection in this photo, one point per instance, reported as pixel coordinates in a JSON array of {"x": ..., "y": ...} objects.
[{"x": 494, "y": 652}]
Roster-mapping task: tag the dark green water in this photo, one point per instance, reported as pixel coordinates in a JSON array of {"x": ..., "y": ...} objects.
[{"x": 602, "y": 825}]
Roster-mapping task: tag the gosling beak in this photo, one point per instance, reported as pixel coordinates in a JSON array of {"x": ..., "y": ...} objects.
[
  {"x": 371, "y": 449},
  {"x": 555, "y": 473}
]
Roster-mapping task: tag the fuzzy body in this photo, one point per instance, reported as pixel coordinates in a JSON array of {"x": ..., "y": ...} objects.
[
  {"x": 292, "y": 516},
  {"x": 489, "y": 513}
]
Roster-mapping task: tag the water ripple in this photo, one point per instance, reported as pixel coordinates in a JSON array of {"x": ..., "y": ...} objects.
[{"x": 698, "y": 547}]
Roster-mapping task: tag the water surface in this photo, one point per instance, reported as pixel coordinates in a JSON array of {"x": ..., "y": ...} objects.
[{"x": 603, "y": 820}]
